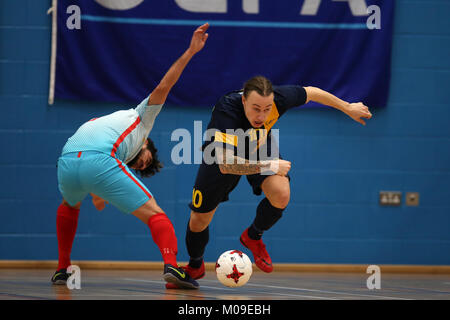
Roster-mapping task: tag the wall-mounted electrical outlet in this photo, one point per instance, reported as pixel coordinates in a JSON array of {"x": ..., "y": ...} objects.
[
  {"x": 390, "y": 198},
  {"x": 412, "y": 199}
]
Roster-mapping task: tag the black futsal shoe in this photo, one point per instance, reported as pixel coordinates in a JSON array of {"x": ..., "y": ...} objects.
[
  {"x": 179, "y": 277},
  {"x": 60, "y": 277}
]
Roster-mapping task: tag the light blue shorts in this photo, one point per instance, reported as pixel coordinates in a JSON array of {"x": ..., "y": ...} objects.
[{"x": 81, "y": 173}]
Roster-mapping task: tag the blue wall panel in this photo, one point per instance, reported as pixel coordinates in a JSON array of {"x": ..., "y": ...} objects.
[{"x": 339, "y": 167}]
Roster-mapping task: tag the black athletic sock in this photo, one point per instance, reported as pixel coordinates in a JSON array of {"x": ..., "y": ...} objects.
[
  {"x": 196, "y": 243},
  {"x": 254, "y": 233},
  {"x": 266, "y": 216}
]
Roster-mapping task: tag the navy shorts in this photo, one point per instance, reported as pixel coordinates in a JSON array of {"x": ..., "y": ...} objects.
[{"x": 213, "y": 187}]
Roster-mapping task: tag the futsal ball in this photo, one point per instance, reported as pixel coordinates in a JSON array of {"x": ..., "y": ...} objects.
[{"x": 233, "y": 268}]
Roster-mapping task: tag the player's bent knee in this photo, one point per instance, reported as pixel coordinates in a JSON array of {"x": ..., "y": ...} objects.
[
  {"x": 277, "y": 191},
  {"x": 76, "y": 206},
  {"x": 280, "y": 196},
  {"x": 280, "y": 199}
]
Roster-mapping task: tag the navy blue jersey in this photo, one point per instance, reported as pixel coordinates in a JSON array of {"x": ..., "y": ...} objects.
[{"x": 228, "y": 115}]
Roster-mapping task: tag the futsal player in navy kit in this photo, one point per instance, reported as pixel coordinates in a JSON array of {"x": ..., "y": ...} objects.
[{"x": 254, "y": 110}]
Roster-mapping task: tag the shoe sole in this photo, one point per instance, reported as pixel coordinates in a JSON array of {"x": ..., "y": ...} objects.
[
  {"x": 198, "y": 277},
  {"x": 176, "y": 287},
  {"x": 59, "y": 282},
  {"x": 168, "y": 277},
  {"x": 266, "y": 271}
]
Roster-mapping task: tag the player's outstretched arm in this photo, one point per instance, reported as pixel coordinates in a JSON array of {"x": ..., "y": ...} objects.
[
  {"x": 198, "y": 40},
  {"x": 356, "y": 111}
]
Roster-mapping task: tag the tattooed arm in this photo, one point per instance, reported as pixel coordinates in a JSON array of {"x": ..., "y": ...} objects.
[{"x": 231, "y": 164}]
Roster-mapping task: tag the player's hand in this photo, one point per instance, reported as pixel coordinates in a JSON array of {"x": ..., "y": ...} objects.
[
  {"x": 357, "y": 111},
  {"x": 98, "y": 202},
  {"x": 199, "y": 38},
  {"x": 280, "y": 167}
]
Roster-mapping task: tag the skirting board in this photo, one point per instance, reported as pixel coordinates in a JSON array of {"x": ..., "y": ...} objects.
[{"x": 282, "y": 267}]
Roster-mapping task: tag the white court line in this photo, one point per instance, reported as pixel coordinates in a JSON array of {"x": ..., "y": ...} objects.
[
  {"x": 73, "y": 297},
  {"x": 162, "y": 282},
  {"x": 285, "y": 288},
  {"x": 280, "y": 294},
  {"x": 235, "y": 290},
  {"x": 323, "y": 291},
  {"x": 302, "y": 296},
  {"x": 332, "y": 292}
]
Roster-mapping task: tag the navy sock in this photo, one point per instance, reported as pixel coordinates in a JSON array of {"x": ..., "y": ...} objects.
[
  {"x": 196, "y": 243},
  {"x": 266, "y": 216}
]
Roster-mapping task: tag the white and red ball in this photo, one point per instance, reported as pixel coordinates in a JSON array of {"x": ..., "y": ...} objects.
[{"x": 233, "y": 268}]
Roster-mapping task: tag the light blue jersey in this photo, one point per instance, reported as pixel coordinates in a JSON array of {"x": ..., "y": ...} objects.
[
  {"x": 94, "y": 159},
  {"x": 120, "y": 134}
]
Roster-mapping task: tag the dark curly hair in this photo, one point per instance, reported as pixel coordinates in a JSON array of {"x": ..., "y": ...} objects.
[{"x": 154, "y": 167}]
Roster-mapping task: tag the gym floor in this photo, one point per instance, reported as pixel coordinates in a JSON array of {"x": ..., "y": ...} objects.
[{"x": 34, "y": 284}]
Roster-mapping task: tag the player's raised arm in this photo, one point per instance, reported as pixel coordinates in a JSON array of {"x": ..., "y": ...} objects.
[
  {"x": 356, "y": 111},
  {"x": 160, "y": 93}
]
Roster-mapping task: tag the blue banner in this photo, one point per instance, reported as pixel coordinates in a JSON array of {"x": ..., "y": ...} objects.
[{"x": 118, "y": 50}]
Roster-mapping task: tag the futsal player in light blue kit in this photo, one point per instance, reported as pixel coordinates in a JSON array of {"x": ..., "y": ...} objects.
[{"x": 98, "y": 159}]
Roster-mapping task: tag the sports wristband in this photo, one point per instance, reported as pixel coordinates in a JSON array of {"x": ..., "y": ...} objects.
[{"x": 272, "y": 168}]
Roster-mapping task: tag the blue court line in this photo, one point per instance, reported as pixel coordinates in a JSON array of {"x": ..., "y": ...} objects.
[{"x": 224, "y": 23}]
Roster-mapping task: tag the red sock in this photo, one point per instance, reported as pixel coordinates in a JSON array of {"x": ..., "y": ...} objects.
[
  {"x": 164, "y": 236},
  {"x": 66, "y": 226}
]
